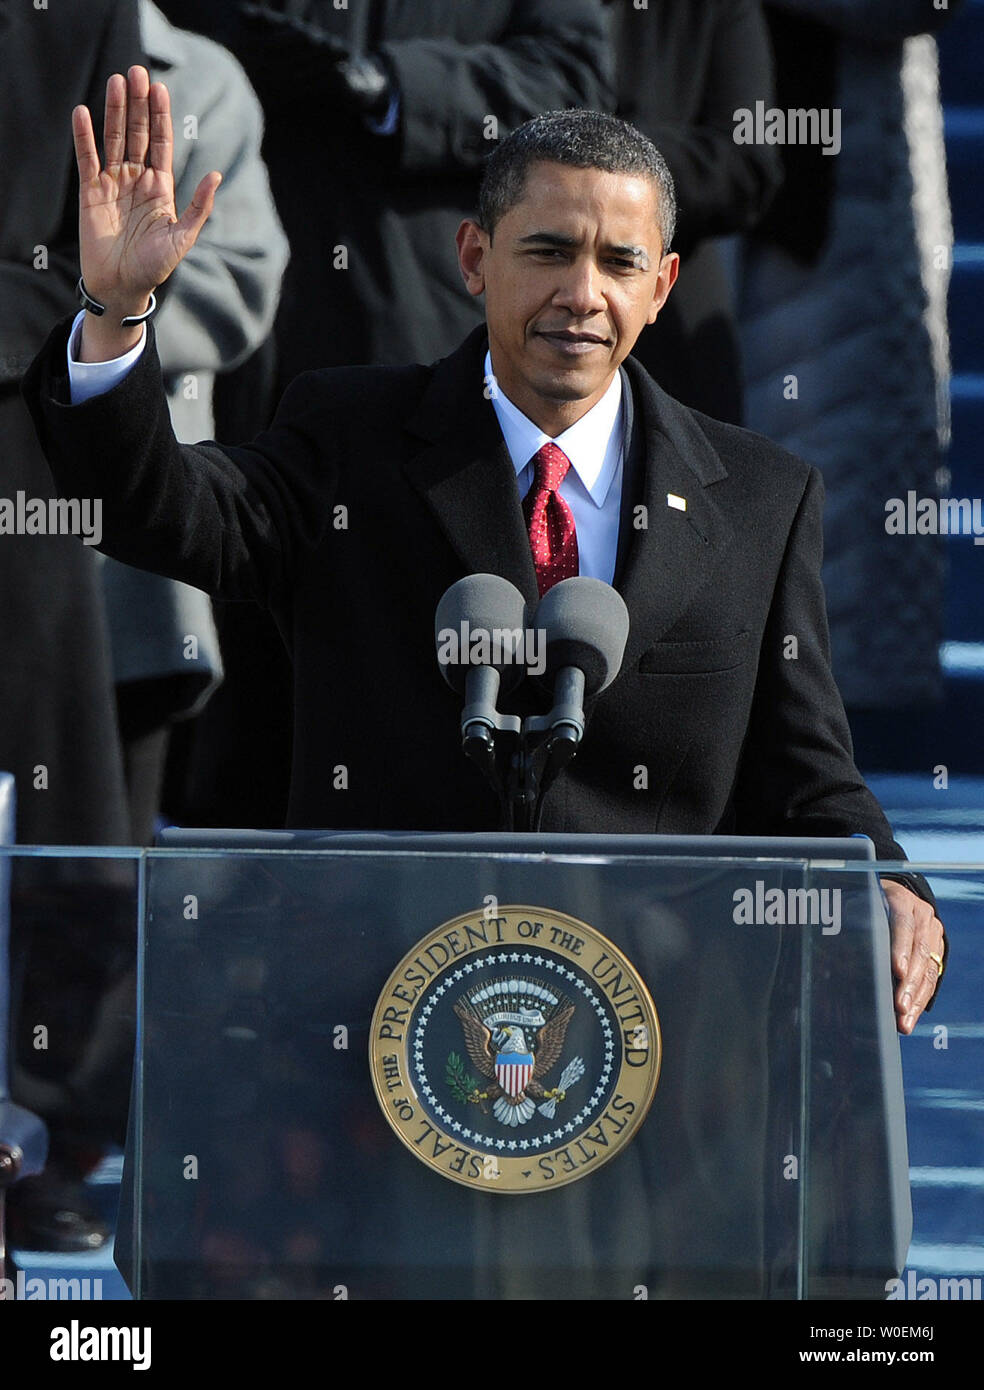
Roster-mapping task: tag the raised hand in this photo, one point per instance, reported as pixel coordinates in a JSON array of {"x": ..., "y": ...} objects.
[{"x": 130, "y": 237}]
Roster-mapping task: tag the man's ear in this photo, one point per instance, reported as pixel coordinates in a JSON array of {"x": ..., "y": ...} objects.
[
  {"x": 473, "y": 245},
  {"x": 669, "y": 269}
]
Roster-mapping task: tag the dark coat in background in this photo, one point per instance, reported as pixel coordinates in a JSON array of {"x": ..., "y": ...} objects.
[
  {"x": 394, "y": 202},
  {"x": 72, "y": 922},
  {"x": 57, "y": 705},
  {"x": 832, "y": 296},
  {"x": 683, "y": 67}
]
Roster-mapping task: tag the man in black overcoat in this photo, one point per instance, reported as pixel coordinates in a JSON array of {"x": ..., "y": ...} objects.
[{"x": 376, "y": 488}]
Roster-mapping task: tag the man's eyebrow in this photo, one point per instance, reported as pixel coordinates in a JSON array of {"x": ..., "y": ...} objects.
[
  {"x": 550, "y": 238},
  {"x": 635, "y": 253}
]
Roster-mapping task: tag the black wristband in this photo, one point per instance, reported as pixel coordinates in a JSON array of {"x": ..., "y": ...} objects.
[{"x": 92, "y": 306}]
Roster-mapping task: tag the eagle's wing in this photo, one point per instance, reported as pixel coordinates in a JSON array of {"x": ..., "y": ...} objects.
[
  {"x": 477, "y": 1039},
  {"x": 550, "y": 1041}
]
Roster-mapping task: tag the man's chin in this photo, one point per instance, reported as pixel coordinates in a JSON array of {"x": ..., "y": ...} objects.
[
  {"x": 577, "y": 370},
  {"x": 569, "y": 385}
]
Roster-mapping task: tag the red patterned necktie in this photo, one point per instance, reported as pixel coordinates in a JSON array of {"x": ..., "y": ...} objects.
[{"x": 553, "y": 538}]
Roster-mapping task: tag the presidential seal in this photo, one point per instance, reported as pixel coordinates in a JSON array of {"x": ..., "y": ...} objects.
[{"x": 515, "y": 1052}]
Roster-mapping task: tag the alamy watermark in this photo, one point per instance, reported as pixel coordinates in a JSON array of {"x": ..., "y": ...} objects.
[
  {"x": 82, "y": 1343},
  {"x": 465, "y": 645},
  {"x": 927, "y": 1288},
  {"x": 21, "y": 515},
  {"x": 935, "y": 516},
  {"x": 32, "y": 1287},
  {"x": 780, "y": 907},
  {"x": 770, "y": 125}
]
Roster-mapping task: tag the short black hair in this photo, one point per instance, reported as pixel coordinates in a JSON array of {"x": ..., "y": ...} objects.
[{"x": 583, "y": 140}]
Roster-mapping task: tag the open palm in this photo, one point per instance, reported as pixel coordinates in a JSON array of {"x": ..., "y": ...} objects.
[{"x": 130, "y": 237}]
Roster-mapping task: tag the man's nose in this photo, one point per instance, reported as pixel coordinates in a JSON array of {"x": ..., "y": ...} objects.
[{"x": 580, "y": 291}]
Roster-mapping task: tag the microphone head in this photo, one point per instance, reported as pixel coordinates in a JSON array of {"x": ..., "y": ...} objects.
[
  {"x": 481, "y": 621},
  {"x": 586, "y": 624}
]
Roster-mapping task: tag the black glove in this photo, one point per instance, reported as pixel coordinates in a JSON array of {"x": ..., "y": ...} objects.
[{"x": 291, "y": 62}]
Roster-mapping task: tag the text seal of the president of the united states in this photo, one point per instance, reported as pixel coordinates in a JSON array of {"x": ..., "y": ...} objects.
[{"x": 515, "y": 1049}]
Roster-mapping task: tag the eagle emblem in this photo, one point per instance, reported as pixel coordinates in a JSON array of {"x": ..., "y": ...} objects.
[{"x": 514, "y": 1033}]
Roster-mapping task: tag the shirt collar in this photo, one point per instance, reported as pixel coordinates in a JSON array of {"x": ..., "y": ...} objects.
[{"x": 593, "y": 444}]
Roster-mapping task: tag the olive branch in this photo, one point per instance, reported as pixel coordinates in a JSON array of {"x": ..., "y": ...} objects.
[{"x": 462, "y": 1086}]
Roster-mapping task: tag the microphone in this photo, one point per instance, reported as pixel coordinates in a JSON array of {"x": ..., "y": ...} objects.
[
  {"x": 480, "y": 631},
  {"x": 481, "y": 634},
  {"x": 586, "y": 626}
]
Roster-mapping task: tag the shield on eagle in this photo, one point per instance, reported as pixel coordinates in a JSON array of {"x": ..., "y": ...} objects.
[{"x": 513, "y": 1071}]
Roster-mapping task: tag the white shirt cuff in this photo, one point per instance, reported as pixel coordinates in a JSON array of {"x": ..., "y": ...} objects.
[{"x": 88, "y": 379}]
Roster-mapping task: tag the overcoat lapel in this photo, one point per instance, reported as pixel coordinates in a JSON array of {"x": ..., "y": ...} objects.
[
  {"x": 672, "y": 552},
  {"x": 464, "y": 471}
]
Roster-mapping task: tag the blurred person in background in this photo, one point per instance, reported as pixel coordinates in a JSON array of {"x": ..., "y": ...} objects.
[
  {"x": 682, "y": 70},
  {"x": 58, "y": 727},
  {"x": 157, "y": 657},
  {"x": 58, "y": 732},
  {"x": 396, "y": 107},
  {"x": 839, "y": 362}
]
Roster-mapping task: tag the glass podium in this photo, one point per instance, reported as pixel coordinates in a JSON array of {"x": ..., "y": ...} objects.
[
  {"x": 419, "y": 1067},
  {"x": 265, "y": 1157}
]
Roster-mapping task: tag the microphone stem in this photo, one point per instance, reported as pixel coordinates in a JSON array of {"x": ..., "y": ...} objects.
[{"x": 568, "y": 705}]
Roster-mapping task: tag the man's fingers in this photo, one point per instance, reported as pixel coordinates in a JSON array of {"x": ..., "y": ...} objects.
[
  {"x": 912, "y": 1001},
  {"x": 137, "y": 115},
  {"x": 196, "y": 214},
  {"x": 917, "y": 933},
  {"x": 916, "y": 988},
  {"x": 903, "y": 933},
  {"x": 926, "y": 936},
  {"x": 161, "y": 133},
  {"x": 86, "y": 155},
  {"x": 114, "y": 121}
]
